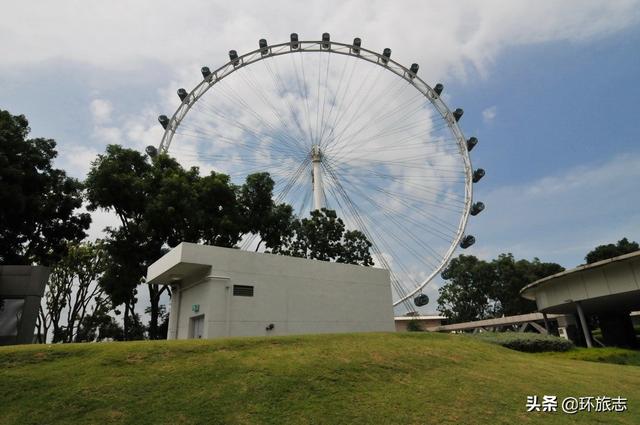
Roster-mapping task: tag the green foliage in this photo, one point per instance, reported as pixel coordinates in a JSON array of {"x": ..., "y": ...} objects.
[
  {"x": 476, "y": 289},
  {"x": 323, "y": 237},
  {"x": 526, "y": 342},
  {"x": 613, "y": 355},
  {"x": 396, "y": 378},
  {"x": 511, "y": 276},
  {"x": 38, "y": 203},
  {"x": 466, "y": 295},
  {"x": 414, "y": 326},
  {"x": 604, "y": 252}
]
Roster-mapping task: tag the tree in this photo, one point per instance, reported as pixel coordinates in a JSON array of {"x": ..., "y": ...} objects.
[
  {"x": 604, "y": 252},
  {"x": 477, "y": 289},
  {"x": 38, "y": 203},
  {"x": 72, "y": 292},
  {"x": 511, "y": 276},
  {"x": 159, "y": 204},
  {"x": 466, "y": 296},
  {"x": 323, "y": 237}
]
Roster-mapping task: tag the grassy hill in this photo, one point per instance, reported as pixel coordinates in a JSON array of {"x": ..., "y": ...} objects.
[{"x": 404, "y": 378}]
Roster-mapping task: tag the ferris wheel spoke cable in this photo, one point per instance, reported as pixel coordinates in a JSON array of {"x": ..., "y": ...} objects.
[
  {"x": 352, "y": 120},
  {"x": 306, "y": 98},
  {"x": 377, "y": 115},
  {"x": 340, "y": 116},
  {"x": 339, "y": 101},
  {"x": 375, "y": 118},
  {"x": 288, "y": 131},
  {"x": 390, "y": 215},
  {"x": 396, "y": 283},
  {"x": 444, "y": 235},
  {"x": 283, "y": 137},
  {"x": 275, "y": 76},
  {"x": 450, "y": 206},
  {"x": 380, "y": 135},
  {"x": 210, "y": 137}
]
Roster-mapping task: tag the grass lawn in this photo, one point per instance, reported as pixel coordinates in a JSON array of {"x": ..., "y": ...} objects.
[
  {"x": 395, "y": 378},
  {"x": 605, "y": 355}
]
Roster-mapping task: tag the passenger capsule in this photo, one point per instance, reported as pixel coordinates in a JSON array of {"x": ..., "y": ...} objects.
[
  {"x": 467, "y": 241},
  {"x": 294, "y": 40},
  {"x": 476, "y": 208},
  {"x": 233, "y": 55},
  {"x": 164, "y": 121},
  {"x": 182, "y": 94},
  {"x": 421, "y": 300},
  {"x": 325, "y": 40},
  {"x": 151, "y": 151},
  {"x": 438, "y": 89},
  {"x": 457, "y": 114},
  {"x": 471, "y": 143},
  {"x": 414, "y": 69},
  {"x": 357, "y": 43},
  {"x": 206, "y": 72},
  {"x": 263, "y": 46},
  {"x": 386, "y": 54},
  {"x": 478, "y": 174}
]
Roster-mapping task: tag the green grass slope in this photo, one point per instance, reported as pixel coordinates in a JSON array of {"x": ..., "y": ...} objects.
[{"x": 404, "y": 378}]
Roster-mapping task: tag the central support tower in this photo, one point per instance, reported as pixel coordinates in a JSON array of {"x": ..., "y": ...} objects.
[{"x": 318, "y": 194}]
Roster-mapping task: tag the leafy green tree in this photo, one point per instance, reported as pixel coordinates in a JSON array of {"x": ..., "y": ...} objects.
[
  {"x": 604, "y": 252},
  {"x": 511, "y": 276},
  {"x": 466, "y": 295},
  {"x": 72, "y": 292},
  {"x": 159, "y": 205},
  {"x": 476, "y": 289},
  {"x": 38, "y": 203},
  {"x": 323, "y": 237}
]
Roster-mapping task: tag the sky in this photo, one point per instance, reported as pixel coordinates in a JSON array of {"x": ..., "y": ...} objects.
[{"x": 549, "y": 88}]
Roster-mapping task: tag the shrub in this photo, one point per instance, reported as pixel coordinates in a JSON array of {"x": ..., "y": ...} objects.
[
  {"x": 414, "y": 326},
  {"x": 527, "y": 342}
]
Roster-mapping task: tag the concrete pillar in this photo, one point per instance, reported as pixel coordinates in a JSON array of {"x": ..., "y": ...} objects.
[
  {"x": 172, "y": 332},
  {"x": 584, "y": 325},
  {"x": 546, "y": 321}
]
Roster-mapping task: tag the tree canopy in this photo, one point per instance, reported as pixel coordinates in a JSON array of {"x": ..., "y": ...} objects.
[
  {"x": 38, "y": 203},
  {"x": 477, "y": 289},
  {"x": 604, "y": 252}
]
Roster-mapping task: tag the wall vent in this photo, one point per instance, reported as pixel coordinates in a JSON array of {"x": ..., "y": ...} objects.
[{"x": 242, "y": 291}]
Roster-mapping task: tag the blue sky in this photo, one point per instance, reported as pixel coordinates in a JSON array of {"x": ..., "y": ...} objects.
[{"x": 549, "y": 89}]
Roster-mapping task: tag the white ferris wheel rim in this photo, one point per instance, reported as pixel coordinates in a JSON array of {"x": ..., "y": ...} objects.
[{"x": 327, "y": 46}]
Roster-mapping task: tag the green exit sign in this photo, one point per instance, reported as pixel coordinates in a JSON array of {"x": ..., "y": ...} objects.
[{"x": 195, "y": 308}]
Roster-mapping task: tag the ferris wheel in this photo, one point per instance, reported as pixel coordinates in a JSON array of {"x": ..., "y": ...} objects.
[{"x": 341, "y": 127}]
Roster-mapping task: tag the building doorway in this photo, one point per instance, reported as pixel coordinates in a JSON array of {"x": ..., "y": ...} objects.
[{"x": 196, "y": 327}]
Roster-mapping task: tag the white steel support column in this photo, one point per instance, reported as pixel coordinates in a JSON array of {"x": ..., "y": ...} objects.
[
  {"x": 584, "y": 324},
  {"x": 318, "y": 195}
]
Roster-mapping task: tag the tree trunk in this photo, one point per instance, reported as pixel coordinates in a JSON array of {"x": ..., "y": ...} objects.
[
  {"x": 154, "y": 298},
  {"x": 125, "y": 325}
]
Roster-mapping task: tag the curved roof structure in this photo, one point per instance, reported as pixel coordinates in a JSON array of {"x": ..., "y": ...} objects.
[{"x": 608, "y": 285}]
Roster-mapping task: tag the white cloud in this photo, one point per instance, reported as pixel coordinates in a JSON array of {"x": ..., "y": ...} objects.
[
  {"x": 562, "y": 217},
  {"x": 489, "y": 114},
  {"x": 442, "y": 35},
  {"x": 101, "y": 110}
]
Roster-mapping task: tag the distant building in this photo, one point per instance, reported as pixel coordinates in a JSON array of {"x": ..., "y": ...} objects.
[
  {"x": 219, "y": 292},
  {"x": 21, "y": 288}
]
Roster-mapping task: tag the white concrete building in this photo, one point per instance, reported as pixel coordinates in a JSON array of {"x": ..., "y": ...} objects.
[{"x": 220, "y": 292}]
